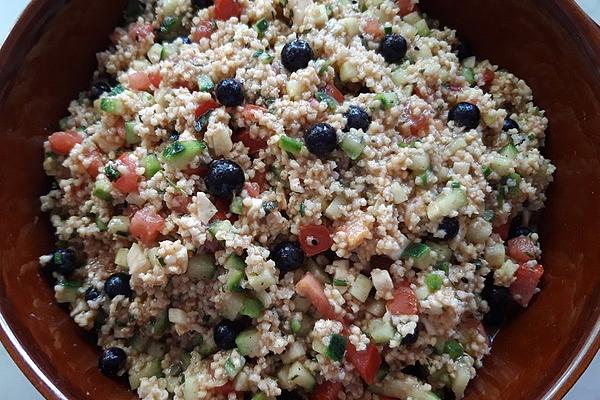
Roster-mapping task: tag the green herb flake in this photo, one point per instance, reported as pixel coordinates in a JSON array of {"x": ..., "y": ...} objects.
[
  {"x": 111, "y": 173},
  {"x": 339, "y": 282},
  {"x": 302, "y": 209}
]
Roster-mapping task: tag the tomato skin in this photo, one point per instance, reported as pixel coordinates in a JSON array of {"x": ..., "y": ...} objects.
[
  {"x": 253, "y": 144},
  {"x": 488, "y": 76},
  {"x": 503, "y": 230},
  {"x": 139, "y": 81},
  {"x": 205, "y": 107},
  {"x": 404, "y": 302},
  {"x": 366, "y": 362},
  {"x": 314, "y": 233},
  {"x": 222, "y": 211},
  {"x": 201, "y": 171},
  {"x": 93, "y": 168},
  {"x": 419, "y": 125},
  {"x": 252, "y": 188},
  {"x": 155, "y": 79},
  {"x": 249, "y": 112},
  {"x": 128, "y": 181},
  {"x": 521, "y": 249},
  {"x": 406, "y": 7},
  {"x": 527, "y": 279},
  {"x": 227, "y": 388},
  {"x": 326, "y": 391},
  {"x": 62, "y": 142},
  {"x": 225, "y": 9},
  {"x": 145, "y": 225},
  {"x": 203, "y": 30},
  {"x": 311, "y": 288},
  {"x": 373, "y": 27},
  {"x": 334, "y": 92},
  {"x": 260, "y": 178}
]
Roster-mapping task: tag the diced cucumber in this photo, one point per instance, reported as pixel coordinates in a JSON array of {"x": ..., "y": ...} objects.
[
  {"x": 234, "y": 280},
  {"x": 119, "y": 225},
  {"x": 69, "y": 293},
  {"x": 511, "y": 184},
  {"x": 208, "y": 346},
  {"x": 422, "y": 28},
  {"x": 262, "y": 281},
  {"x": 102, "y": 226},
  {"x": 295, "y": 325},
  {"x": 236, "y": 206},
  {"x": 469, "y": 62},
  {"x": 510, "y": 151},
  {"x": 157, "y": 349},
  {"x": 160, "y": 325},
  {"x": 290, "y": 145},
  {"x": 502, "y": 165},
  {"x": 282, "y": 377},
  {"x": 155, "y": 260},
  {"x": 152, "y": 368},
  {"x": 443, "y": 251},
  {"x": 399, "y": 76},
  {"x": 112, "y": 105},
  {"x": 151, "y": 165},
  {"x": 351, "y": 26},
  {"x": 420, "y": 253},
  {"x": 348, "y": 72},
  {"x": 168, "y": 50},
  {"x": 434, "y": 282},
  {"x": 425, "y": 178},
  {"x": 259, "y": 396},
  {"x": 261, "y": 27},
  {"x": 333, "y": 210},
  {"x": 121, "y": 257},
  {"x": 381, "y": 330},
  {"x": 321, "y": 96},
  {"x": 469, "y": 75},
  {"x": 454, "y": 349},
  {"x": 443, "y": 266},
  {"x": 317, "y": 271},
  {"x": 180, "y": 154},
  {"x": 169, "y": 28},
  {"x": 235, "y": 262},
  {"x": 234, "y": 363},
  {"x": 248, "y": 343},
  {"x": 201, "y": 266},
  {"x": 155, "y": 53},
  {"x": 293, "y": 353},
  {"x": 337, "y": 347},
  {"x": 361, "y": 287},
  {"x": 376, "y": 307},
  {"x": 131, "y": 136},
  {"x": 139, "y": 342},
  {"x": 387, "y": 100},
  {"x": 446, "y": 203},
  {"x": 412, "y": 18},
  {"x": 420, "y": 161},
  {"x": 461, "y": 379},
  {"x": 231, "y": 305},
  {"x": 353, "y": 144},
  {"x": 251, "y": 308},
  {"x": 205, "y": 83},
  {"x": 301, "y": 376},
  {"x": 318, "y": 346},
  {"x": 401, "y": 389},
  {"x": 218, "y": 228},
  {"x": 102, "y": 190}
]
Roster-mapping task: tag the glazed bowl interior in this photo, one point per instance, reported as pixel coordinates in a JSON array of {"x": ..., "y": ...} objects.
[{"x": 50, "y": 56}]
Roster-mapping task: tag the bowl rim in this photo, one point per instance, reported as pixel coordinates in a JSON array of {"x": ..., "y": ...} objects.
[{"x": 584, "y": 26}]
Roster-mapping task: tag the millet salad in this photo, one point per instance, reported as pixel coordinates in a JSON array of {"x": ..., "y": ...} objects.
[{"x": 295, "y": 199}]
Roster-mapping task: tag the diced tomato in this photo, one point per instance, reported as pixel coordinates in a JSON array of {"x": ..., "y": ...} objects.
[
  {"x": 311, "y": 288},
  {"x": 120, "y": 125},
  {"x": 155, "y": 79},
  {"x": 404, "y": 302},
  {"x": 326, "y": 391},
  {"x": 527, "y": 279},
  {"x": 334, "y": 92},
  {"x": 62, "y": 142},
  {"x": 252, "y": 143},
  {"x": 502, "y": 230},
  {"x": 145, "y": 225},
  {"x": 227, "y": 388},
  {"x": 373, "y": 27},
  {"x": 252, "y": 188},
  {"x": 380, "y": 261},
  {"x": 128, "y": 181},
  {"x": 314, "y": 239},
  {"x": 139, "y": 81},
  {"x": 488, "y": 76},
  {"x": 95, "y": 163},
  {"x": 200, "y": 171},
  {"x": 180, "y": 204},
  {"x": 205, "y": 107},
  {"x": 139, "y": 32},
  {"x": 521, "y": 249},
  {"x": 250, "y": 110},
  {"x": 203, "y": 30},
  {"x": 225, "y": 9},
  {"x": 406, "y": 7},
  {"x": 260, "y": 177},
  {"x": 419, "y": 124},
  {"x": 366, "y": 362},
  {"x": 222, "y": 211}
]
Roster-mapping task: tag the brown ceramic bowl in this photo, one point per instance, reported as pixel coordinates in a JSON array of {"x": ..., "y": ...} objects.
[{"x": 49, "y": 58}]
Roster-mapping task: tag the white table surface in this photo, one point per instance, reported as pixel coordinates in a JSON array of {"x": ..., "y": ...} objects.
[{"x": 16, "y": 387}]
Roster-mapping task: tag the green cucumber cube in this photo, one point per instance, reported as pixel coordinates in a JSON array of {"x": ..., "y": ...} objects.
[
  {"x": 290, "y": 145},
  {"x": 180, "y": 154},
  {"x": 151, "y": 165}
]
